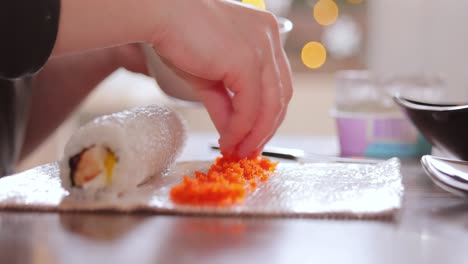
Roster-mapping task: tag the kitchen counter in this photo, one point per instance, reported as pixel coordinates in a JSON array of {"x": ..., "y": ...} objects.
[{"x": 430, "y": 228}]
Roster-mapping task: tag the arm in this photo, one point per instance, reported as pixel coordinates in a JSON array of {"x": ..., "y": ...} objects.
[
  {"x": 230, "y": 54},
  {"x": 59, "y": 88},
  {"x": 233, "y": 58},
  {"x": 91, "y": 24},
  {"x": 30, "y": 29}
]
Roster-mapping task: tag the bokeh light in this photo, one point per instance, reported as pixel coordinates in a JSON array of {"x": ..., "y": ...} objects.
[
  {"x": 343, "y": 39},
  {"x": 325, "y": 12},
  {"x": 313, "y": 55},
  {"x": 355, "y": 2},
  {"x": 257, "y": 3}
]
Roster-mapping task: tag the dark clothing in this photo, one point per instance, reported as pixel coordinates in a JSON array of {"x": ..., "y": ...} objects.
[
  {"x": 14, "y": 106},
  {"x": 28, "y": 29}
]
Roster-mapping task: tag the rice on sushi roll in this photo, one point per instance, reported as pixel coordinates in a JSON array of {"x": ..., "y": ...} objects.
[{"x": 119, "y": 151}]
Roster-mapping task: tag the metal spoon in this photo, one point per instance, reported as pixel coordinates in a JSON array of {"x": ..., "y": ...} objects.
[{"x": 451, "y": 175}]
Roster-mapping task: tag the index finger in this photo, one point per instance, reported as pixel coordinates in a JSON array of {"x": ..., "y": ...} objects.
[{"x": 245, "y": 109}]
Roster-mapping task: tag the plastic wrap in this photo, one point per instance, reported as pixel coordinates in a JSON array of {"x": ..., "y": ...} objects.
[{"x": 294, "y": 190}]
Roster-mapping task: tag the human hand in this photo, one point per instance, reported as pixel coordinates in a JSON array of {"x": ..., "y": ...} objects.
[
  {"x": 232, "y": 56},
  {"x": 229, "y": 53},
  {"x": 168, "y": 80}
]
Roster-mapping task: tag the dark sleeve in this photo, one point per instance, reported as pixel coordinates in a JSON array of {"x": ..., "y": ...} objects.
[{"x": 28, "y": 30}]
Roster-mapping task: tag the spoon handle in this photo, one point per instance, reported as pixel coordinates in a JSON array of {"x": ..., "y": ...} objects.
[{"x": 301, "y": 156}]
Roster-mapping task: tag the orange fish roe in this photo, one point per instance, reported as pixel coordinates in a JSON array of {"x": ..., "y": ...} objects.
[{"x": 227, "y": 182}]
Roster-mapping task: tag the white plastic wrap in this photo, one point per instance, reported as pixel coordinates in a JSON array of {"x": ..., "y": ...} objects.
[{"x": 322, "y": 190}]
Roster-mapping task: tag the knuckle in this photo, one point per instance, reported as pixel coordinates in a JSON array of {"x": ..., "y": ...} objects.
[
  {"x": 270, "y": 20},
  {"x": 272, "y": 23},
  {"x": 257, "y": 56},
  {"x": 254, "y": 57}
]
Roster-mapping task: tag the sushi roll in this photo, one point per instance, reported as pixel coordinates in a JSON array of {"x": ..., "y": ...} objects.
[{"x": 118, "y": 152}]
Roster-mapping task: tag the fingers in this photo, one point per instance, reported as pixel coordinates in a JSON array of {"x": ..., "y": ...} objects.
[
  {"x": 217, "y": 102},
  {"x": 233, "y": 116},
  {"x": 286, "y": 74},
  {"x": 271, "y": 107},
  {"x": 286, "y": 93},
  {"x": 239, "y": 49},
  {"x": 214, "y": 96},
  {"x": 245, "y": 108},
  {"x": 276, "y": 92}
]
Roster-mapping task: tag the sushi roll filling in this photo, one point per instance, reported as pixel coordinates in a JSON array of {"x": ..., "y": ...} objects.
[{"x": 93, "y": 166}]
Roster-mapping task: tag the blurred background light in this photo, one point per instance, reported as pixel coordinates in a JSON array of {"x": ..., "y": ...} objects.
[
  {"x": 355, "y": 2},
  {"x": 325, "y": 12},
  {"x": 343, "y": 39},
  {"x": 313, "y": 55},
  {"x": 257, "y": 3}
]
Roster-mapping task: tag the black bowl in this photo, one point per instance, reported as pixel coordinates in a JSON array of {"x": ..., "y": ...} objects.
[{"x": 444, "y": 125}]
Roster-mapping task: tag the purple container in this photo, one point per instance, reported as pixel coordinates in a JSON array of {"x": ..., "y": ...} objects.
[
  {"x": 379, "y": 135},
  {"x": 369, "y": 122}
]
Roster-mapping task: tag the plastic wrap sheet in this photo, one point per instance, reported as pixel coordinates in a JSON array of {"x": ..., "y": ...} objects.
[{"x": 322, "y": 190}]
